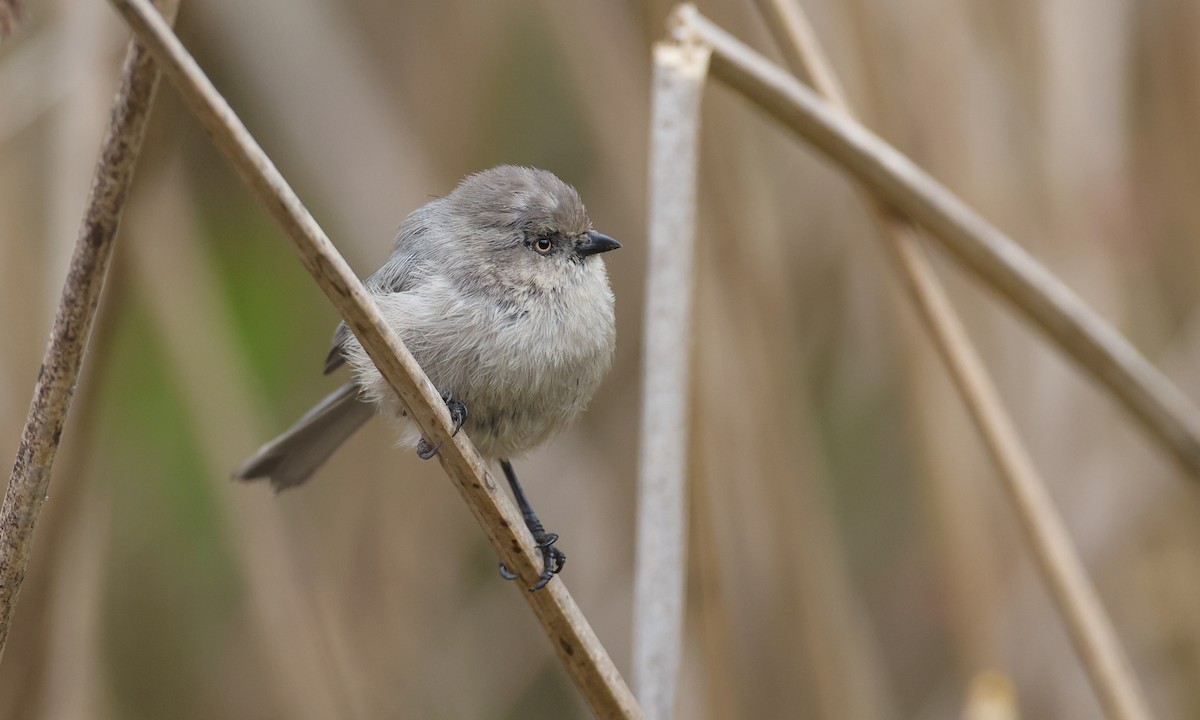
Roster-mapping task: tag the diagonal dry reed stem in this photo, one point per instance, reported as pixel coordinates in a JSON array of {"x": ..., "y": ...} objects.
[
  {"x": 680, "y": 71},
  {"x": 571, "y": 636},
  {"x": 59, "y": 373},
  {"x": 1090, "y": 629},
  {"x": 994, "y": 258}
]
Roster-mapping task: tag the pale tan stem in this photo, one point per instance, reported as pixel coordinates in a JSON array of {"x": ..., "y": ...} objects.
[
  {"x": 570, "y": 634},
  {"x": 1103, "y": 353},
  {"x": 680, "y": 71},
  {"x": 1088, "y": 625},
  {"x": 1090, "y": 629},
  {"x": 59, "y": 373}
]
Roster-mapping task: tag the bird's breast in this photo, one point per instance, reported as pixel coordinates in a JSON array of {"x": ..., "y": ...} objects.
[{"x": 530, "y": 364}]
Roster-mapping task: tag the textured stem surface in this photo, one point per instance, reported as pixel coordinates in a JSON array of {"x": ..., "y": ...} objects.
[
  {"x": 680, "y": 71},
  {"x": 55, "y": 387},
  {"x": 572, "y": 637}
]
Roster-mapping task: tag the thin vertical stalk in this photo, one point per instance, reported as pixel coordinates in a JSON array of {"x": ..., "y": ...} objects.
[
  {"x": 680, "y": 70},
  {"x": 59, "y": 373},
  {"x": 1090, "y": 628}
]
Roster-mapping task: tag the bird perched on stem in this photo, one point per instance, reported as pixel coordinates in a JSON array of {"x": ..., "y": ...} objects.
[{"x": 499, "y": 291}]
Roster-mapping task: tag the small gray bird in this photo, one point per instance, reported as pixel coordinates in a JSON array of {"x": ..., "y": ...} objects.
[{"x": 498, "y": 291}]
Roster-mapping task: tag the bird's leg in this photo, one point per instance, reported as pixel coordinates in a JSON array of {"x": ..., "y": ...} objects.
[
  {"x": 458, "y": 414},
  {"x": 553, "y": 559}
]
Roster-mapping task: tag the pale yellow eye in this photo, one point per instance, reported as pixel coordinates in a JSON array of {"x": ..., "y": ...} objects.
[{"x": 543, "y": 245}]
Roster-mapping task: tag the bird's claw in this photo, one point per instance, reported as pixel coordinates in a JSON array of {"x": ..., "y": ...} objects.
[
  {"x": 458, "y": 411},
  {"x": 553, "y": 560},
  {"x": 458, "y": 415},
  {"x": 425, "y": 450}
]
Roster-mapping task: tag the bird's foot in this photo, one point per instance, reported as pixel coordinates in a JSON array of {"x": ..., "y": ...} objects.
[
  {"x": 425, "y": 450},
  {"x": 458, "y": 411},
  {"x": 553, "y": 560},
  {"x": 458, "y": 415}
]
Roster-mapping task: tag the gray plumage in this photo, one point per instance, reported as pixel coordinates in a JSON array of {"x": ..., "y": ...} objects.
[
  {"x": 292, "y": 457},
  {"x": 498, "y": 291}
]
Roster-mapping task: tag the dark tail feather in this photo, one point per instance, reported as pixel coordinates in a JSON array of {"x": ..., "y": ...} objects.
[{"x": 293, "y": 456}]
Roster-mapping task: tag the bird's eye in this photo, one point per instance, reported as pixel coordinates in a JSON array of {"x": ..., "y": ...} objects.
[{"x": 543, "y": 244}]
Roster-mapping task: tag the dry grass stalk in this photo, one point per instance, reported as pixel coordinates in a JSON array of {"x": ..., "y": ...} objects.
[
  {"x": 1089, "y": 626},
  {"x": 377, "y": 140},
  {"x": 1090, "y": 629},
  {"x": 56, "y": 381},
  {"x": 571, "y": 636},
  {"x": 992, "y": 256},
  {"x": 680, "y": 71}
]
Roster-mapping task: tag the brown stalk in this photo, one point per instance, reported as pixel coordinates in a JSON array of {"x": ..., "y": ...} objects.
[
  {"x": 571, "y": 636},
  {"x": 59, "y": 373},
  {"x": 1090, "y": 629},
  {"x": 994, "y": 258}
]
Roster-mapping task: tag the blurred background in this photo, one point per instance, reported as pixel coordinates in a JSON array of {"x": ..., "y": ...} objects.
[{"x": 852, "y": 556}]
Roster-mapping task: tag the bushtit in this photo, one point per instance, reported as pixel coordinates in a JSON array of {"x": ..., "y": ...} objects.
[{"x": 499, "y": 292}]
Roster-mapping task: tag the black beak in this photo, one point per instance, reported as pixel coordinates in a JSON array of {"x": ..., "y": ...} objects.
[{"x": 596, "y": 243}]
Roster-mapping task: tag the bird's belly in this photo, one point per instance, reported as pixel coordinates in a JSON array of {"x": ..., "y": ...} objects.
[
  {"x": 520, "y": 383},
  {"x": 523, "y": 369}
]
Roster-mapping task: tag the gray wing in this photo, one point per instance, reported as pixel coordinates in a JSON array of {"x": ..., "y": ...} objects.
[{"x": 398, "y": 274}]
